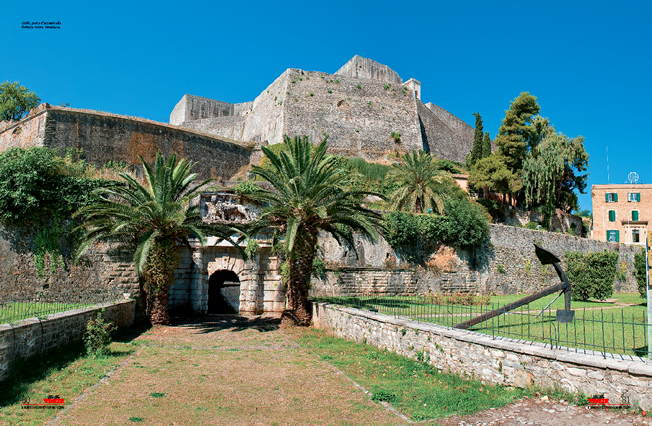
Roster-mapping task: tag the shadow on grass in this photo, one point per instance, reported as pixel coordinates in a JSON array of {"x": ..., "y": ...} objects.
[
  {"x": 25, "y": 372},
  {"x": 235, "y": 323}
]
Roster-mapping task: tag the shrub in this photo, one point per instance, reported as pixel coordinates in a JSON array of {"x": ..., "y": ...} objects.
[
  {"x": 532, "y": 225},
  {"x": 467, "y": 223},
  {"x": 402, "y": 229},
  {"x": 447, "y": 165},
  {"x": 396, "y": 136},
  {"x": 358, "y": 86},
  {"x": 98, "y": 335},
  {"x": 591, "y": 275}
]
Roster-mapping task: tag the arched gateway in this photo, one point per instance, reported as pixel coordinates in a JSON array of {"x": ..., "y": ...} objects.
[{"x": 214, "y": 278}]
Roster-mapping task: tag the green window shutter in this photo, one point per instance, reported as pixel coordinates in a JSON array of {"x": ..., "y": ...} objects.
[
  {"x": 638, "y": 197},
  {"x": 606, "y": 197},
  {"x": 608, "y": 235},
  {"x": 634, "y": 214},
  {"x": 617, "y": 236},
  {"x": 615, "y": 196},
  {"x": 612, "y": 215}
]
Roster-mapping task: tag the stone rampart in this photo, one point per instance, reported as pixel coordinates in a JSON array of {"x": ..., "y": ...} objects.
[
  {"x": 104, "y": 137},
  {"x": 506, "y": 264},
  {"x": 32, "y": 336},
  {"x": 500, "y": 361},
  {"x": 105, "y": 273}
]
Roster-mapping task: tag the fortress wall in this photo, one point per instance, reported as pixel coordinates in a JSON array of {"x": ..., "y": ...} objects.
[
  {"x": 227, "y": 127},
  {"x": 196, "y": 107},
  {"x": 104, "y": 272},
  {"x": 377, "y": 267},
  {"x": 455, "y": 124},
  {"x": 26, "y": 133},
  {"x": 265, "y": 122},
  {"x": 243, "y": 108},
  {"x": 364, "y": 68},
  {"x": 359, "y": 122},
  {"x": 105, "y": 137},
  {"x": 440, "y": 139}
]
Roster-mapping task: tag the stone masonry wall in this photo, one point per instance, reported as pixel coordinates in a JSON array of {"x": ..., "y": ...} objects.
[
  {"x": 440, "y": 139},
  {"x": 103, "y": 274},
  {"x": 358, "y": 115},
  {"x": 378, "y": 268},
  {"x": 104, "y": 137},
  {"x": 500, "y": 361},
  {"x": 32, "y": 336}
]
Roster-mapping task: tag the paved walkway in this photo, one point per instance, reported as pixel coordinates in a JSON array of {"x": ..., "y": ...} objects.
[{"x": 238, "y": 371}]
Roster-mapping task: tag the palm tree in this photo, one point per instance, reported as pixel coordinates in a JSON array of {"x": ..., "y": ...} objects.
[
  {"x": 307, "y": 197},
  {"x": 421, "y": 184},
  {"x": 156, "y": 216}
]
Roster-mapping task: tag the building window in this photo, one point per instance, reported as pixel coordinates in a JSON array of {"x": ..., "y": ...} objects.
[
  {"x": 613, "y": 236},
  {"x": 611, "y": 197},
  {"x": 634, "y": 197},
  {"x": 635, "y": 215},
  {"x": 612, "y": 215},
  {"x": 636, "y": 236}
]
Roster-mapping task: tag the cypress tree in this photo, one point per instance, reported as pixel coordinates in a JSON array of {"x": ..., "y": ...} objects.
[
  {"x": 476, "y": 152},
  {"x": 486, "y": 146},
  {"x": 516, "y": 134}
]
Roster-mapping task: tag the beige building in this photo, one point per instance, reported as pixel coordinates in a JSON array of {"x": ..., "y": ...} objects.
[{"x": 621, "y": 212}]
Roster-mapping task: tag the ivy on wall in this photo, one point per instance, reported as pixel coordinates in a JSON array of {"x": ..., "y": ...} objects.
[{"x": 41, "y": 189}]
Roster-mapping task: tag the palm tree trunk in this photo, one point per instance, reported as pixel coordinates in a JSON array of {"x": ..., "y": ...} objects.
[
  {"x": 299, "y": 310},
  {"x": 159, "y": 276}
]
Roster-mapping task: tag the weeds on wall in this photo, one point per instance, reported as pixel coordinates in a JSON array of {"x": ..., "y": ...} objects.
[{"x": 47, "y": 247}]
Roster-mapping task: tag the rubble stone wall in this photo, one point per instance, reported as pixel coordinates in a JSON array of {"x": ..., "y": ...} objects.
[
  {"x": 505, "y": 362},
  {"x": 32, "y": 336}
]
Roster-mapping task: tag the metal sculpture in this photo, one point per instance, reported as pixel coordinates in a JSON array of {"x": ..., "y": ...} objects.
[{"x": 563, "y": 315}]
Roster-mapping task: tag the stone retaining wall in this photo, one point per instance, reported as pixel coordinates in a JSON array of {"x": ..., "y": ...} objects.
[
  {"x": 499, "y": 361},
  {"x": 506, "y": 264},
  {"x": 29, "y": 337}
]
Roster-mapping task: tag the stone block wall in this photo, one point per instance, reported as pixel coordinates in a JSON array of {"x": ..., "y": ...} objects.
[
  {"x": 499, "y": 361},
  {"x": 375, "y": 266},
  {"x": 104, "y": 137},
  {"x": 105, "y": 273},
  {"x": 32, "y": 336}
]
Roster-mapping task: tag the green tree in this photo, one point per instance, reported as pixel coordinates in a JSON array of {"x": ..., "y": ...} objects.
[
  {"x": 421, "y": 185},
  {"x": 640, "y": 272},
  {"x": 16, "y": 100},
  {"x": 553, "y": 171},
  {"x": 492, "y": 174},
  {"x": 591, "y": 275},
  {"x": 157, "y": 216},
  {"x": 486, "y": 145},
  {"x": 516, "y": 135},
  {"x": 307, "y": 197},
  {"x": 476, "y": 151}
]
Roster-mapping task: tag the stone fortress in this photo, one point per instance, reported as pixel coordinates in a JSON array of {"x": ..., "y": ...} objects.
[{"x": 362, "y": 108}]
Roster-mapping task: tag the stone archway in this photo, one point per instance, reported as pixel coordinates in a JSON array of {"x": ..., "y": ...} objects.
[{"x": 223, "y": 292}]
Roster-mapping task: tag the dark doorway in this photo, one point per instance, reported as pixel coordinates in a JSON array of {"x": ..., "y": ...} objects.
[{"x": 224, "y": 293}]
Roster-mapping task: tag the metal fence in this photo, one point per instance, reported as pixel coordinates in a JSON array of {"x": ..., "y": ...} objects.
[
  {"x": 620, "y": 331},
  {"x": 16, "y": 308}
]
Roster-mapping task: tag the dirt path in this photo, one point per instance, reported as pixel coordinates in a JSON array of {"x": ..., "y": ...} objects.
[{"x": 238, "y": 371}]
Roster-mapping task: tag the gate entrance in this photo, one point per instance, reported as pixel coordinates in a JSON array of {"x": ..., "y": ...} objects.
[{"x": 224, "y": 293}]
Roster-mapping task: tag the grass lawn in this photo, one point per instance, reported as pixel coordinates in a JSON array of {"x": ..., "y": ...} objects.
[
  {"x": 599, "y": 326},
  {"x": 66, "y": 372},
  {"x": 417, "y": 389}
]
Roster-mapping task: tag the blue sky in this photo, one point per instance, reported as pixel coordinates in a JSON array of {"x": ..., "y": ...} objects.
[{"x": 588, "y": 63}]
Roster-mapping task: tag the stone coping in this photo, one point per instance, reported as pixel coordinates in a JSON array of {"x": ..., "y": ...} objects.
[
  {"x": 624, "y": 363},
  {"x": 60, "y": 315}
]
